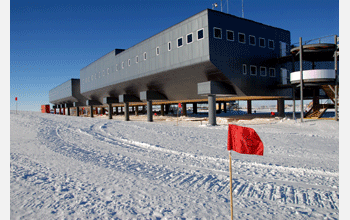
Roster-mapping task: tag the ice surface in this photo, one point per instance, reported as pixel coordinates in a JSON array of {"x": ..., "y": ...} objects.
[{"x": 70, "y": 167}]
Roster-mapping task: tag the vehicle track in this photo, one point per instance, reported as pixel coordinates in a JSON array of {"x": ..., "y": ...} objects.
[{"x": 187, "y": 171}]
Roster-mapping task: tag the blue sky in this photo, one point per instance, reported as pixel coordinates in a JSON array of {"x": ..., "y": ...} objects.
[{"x": 50, "y": 41}]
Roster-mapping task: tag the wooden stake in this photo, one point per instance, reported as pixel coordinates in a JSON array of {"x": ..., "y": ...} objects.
[{"x": 231, "y": 187}]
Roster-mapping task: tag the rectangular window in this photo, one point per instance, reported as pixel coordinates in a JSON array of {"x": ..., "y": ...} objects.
[
  {"x": 157, "y": 51},
  {"x": 137, "y": 59},
  {"x": 241, "y": 38},
  {"x": 244, "y": 68},
  {"x": 262, "y": 42},
  {"x": 179, "y": 42},
  {"x": 229, "y": 35},
  {"x": 272, "y": 72},
  {"x": 271, "y": 44},
  {"x": 144, "y": 56},
  {"x": 122, "y": 65},
  {"x": 217, "y": 33},
  {"x": 252, "y": 40},
  {"x": 200, "y": 34},
  {"x": 116, "y": 67},
  {"x": 189, "y": 38},
  {"x": 129, "y": 62},
  {"x": 169, "y": 46},
  {"x": 262, "y": 71},
  {"x": 253, "y": 70}
]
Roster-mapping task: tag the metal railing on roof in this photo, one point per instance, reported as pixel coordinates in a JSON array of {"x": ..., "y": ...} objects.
[{"x": 321, "y": 40}]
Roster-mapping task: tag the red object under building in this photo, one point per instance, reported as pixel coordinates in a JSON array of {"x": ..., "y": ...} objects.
[{"x": 45, "y": 108}]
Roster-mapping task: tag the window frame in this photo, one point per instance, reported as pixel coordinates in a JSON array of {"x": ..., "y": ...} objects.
[
  {"x": 239, "y": 33},
  {"x": 145, "y": 56},
  {"x": 137, "y": 59},
  {"x": 182, "y": 43},
  {"x": 250, "y": 70},
  {"x": 123, "y": 65},
  {"x": 157, "y": 51},
  {"x": 187, "y": 38},
  {"x": 216, "y": 28},
  {"x": 274, "y": 70},
  {"x": 129, "y": 62},
  {"x": 254, "y": 40},
  {"x": 116, "y": 67},
  {"x": 169, "y": 46},
  {"x": 244, "y": 69},
  {"x": 273, "y": 42},
  {"x": 263, "y": 67},
  {"x": 261, "y": 38},
  {"x": 233, "y": 35},
  {"x": 202, "y": 29}
]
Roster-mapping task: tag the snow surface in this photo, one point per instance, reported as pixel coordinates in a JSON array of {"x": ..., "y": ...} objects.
[{"x": 67, "y": 167}]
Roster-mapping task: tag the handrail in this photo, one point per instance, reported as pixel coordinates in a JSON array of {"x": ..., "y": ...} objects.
[{"x": 325, "y": 39}]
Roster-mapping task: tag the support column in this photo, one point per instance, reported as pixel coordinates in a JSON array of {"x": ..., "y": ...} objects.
[
  {"x": 110, "y": 111},
  {"x": 64, "y": 111},
  {"x": 184, "y": 109},
  {"x": 301, "y": 80},
  {"x": 149, "y": 111},
  {"x": 77, "y": 111},
  {"x": 280, "y": 106},
  {"x": 162, "y": 109},
  {"x": 126, "y": 111},
  {"x": 91, "y": 111},
  {"x": 225, "y": 108},
  {"x": 249, "y": 106},
  {"x": 194, "y": 108},
  {"x": 137, "y": 110},
  {"x": 336, "y": 78},
  {"x": 219, "y": 109},
  {"x": 102, "y": 110},
  {"x": 212, "y": 109},
  {"x": 293, "y": 90},
  {"x": 68, "y": 111}
]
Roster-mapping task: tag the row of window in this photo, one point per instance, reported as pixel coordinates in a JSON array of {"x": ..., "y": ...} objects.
[
  {"x": 189, "y": 40},
  {"x": 242, "y": 38},
  {"x": 254, "y": 70}
]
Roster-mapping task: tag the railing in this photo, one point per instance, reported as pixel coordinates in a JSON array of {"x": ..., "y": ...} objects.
[{"x": 321, "y": 40}]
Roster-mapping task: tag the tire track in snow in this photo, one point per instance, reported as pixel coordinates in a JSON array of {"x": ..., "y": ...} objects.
[{"x": 60, "y": 140}]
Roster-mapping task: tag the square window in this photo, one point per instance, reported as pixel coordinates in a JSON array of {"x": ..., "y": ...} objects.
[
  {"x": 244, "y": 67},
  {"x": 157, "y": 51},
  {"x": 241, "y": 38},
  {"x": 271, "y": 44},
  {"x": 169, "y": 46},
  {"x": 200, "y": 34},
  {"x": 253, "y": 70},
  {"x": 217, "y": 33},
  {"x": 189, "y": 38},
  {"x": 272, "y": 72},
  {"x": 262, "y": 42},
  {"x": 251, "y": 40},
  {"x": 179, "y": 42},
  {"x": 229, "y": 35},
  {"x": 262, "y": 71}
]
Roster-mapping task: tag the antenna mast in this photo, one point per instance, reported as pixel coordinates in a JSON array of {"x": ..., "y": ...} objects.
[{"x": 242, "y": 10}]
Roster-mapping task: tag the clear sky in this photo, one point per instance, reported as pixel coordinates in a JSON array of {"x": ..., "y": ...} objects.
[{"x": 50, "y": 41}]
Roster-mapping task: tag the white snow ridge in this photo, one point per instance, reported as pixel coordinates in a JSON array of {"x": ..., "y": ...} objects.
[{"x": 66, "y": 167}]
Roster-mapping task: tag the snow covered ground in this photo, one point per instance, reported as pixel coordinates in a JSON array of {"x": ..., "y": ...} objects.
[{"x": 65, "y": 167}]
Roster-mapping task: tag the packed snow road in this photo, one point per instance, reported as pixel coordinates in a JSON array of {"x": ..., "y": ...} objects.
[{"x": 70, "y": 167}]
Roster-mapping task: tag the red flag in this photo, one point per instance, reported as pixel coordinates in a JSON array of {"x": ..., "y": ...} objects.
[
  {"x": 15, "y": 98},
  {"x": 244, "y": 140},
  {"x": 180, "y": 105}
]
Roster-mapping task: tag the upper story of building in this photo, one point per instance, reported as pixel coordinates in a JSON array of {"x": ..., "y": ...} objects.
[{"x": 210, "y": 45}]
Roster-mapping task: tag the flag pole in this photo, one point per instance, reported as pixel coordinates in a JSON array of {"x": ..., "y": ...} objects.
[{"x": 231, "y": 187}]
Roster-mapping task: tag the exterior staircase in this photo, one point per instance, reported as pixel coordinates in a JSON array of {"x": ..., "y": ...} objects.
[{"x": 316, "y": 111}]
